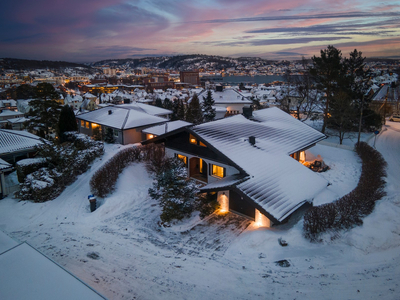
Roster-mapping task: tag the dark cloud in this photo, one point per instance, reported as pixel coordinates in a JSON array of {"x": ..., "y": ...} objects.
[
  {"x": 346, "y": 15},
  {"x": 270, "y": 42},
  {"x": 286, "y": 53},
  {"x": 334, "y": 28}
]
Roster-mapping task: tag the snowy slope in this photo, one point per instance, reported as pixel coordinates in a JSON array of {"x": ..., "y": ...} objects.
[{"x": 121, "y": 251}]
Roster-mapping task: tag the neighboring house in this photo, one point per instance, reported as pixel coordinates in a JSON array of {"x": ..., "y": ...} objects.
[
  {"x": 16, "y": 145},
  {"x": 8, "y": 104},
  {"x": 4, "y": 168},
  {"x": 10, "y": 114},
  {"x": 75, "y": 101},
  {"x": 127, "y": 124},
  {"x": 89, "y": 102},
  {"x": 229, "y": 99},
  {"x": 17, "y": 123},
  {"x": 26, "y": 273},
  {"x": 252, "y": 166}
]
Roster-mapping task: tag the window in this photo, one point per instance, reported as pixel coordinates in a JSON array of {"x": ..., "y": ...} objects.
[
  {"x": 116, "y": 132},
  {"x": 218, "y": 171},
  {"x": 192, "y": 140},
  {"x": 182, "y": 158},
  {"x": 82, "y": 123},
  {"x": 94, "y": 125},
  {"x": 87, "y": 124}
]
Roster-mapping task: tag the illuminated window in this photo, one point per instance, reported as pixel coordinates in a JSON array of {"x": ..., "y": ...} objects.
[
  {"x": 192, "y": 140},
  {"x": 94, "y": 125},
  {"x": 150, "y": 136},
  {"x": 218, "y": 171},
  {"x": 201, "y": 165},
  {"x": 182, "y": 158},
  {"x": 87, "y": 124},
  {"x": 82, "y": 123}
]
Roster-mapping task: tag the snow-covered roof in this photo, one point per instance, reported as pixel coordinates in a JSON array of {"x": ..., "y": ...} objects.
[
  {"x": 227, "y": 96},
  {"x": 120, "y": 117},
  {"x": 10, "y": 113},
  {"x": 25, "y": 273},
  {"x": 167, "y": 127},
  {"x": 275, "y": 181},
  {"x": 18, "y": 120},
  {"x": 4, "y": 165},
  {"x": 149, "y": 109},
  {"x": 15, "y": 140}
]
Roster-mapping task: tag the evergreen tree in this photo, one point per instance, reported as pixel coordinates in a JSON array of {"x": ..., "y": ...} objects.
[
  {"x": 168, "y": 104},
  {"x": 327, "y": 72},
  {"x": 174, "y": 191},
  {"x": 66, "y": 121},
  {"x": 44, "y": 111},
  {"x": 109, "y": 136},
  {"x": 208, "y": 110},
  {"x": 178, "y": 110},
  {"x": 159, "y": 103},
  {"x": 194, "y": 114}
]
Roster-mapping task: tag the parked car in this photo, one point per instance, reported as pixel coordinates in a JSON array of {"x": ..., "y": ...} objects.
[{"x": 395, "y": 118}]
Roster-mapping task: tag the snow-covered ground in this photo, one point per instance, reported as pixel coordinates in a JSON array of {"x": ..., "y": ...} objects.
[{"x": 122, "y": 252}]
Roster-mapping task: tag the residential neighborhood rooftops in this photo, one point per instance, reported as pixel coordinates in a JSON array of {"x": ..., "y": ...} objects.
[{"x": 227, "y": 96}]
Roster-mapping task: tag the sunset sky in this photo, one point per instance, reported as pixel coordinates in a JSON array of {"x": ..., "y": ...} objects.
[{"x": 91, "y": 30}]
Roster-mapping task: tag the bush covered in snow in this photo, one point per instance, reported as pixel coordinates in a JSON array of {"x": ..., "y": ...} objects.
[
  {"x": 349, "y": 210},
  {"x": 62, "y": 164},
  {"x": 27, "y": 166}
]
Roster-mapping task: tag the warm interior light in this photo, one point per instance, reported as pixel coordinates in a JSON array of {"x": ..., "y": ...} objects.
[
  {"x": 302, "y": 156},
  {"x": 224, "y": 203},
  {"x": 151, "y": 136}
]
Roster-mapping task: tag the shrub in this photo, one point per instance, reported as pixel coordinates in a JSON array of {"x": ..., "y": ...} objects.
[
  {"x": 349, "y": 210},
  {"x": 207, "y": 204},
  {"x": 103, "y": 181},
  {"x": 63, "y": 163},
  {"x": 27, "y": 166}
]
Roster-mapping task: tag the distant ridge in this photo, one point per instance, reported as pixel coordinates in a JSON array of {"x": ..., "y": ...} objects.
[{"x": 28, "y": 64}]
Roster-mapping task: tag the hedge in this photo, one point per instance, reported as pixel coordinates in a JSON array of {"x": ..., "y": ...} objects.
[
  {"x": 103, "y": 181},
  {"x": 349, "y": 210}
]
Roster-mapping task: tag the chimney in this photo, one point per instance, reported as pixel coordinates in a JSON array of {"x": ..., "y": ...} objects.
[
  {"x": 252, "y": 140},
  {"x": 110, "y": 112}
]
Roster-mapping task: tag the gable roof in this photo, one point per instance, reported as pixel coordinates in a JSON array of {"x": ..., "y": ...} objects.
[
  {"x": 120, "y": 117},
  {"x": 15, "y": 140}
]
